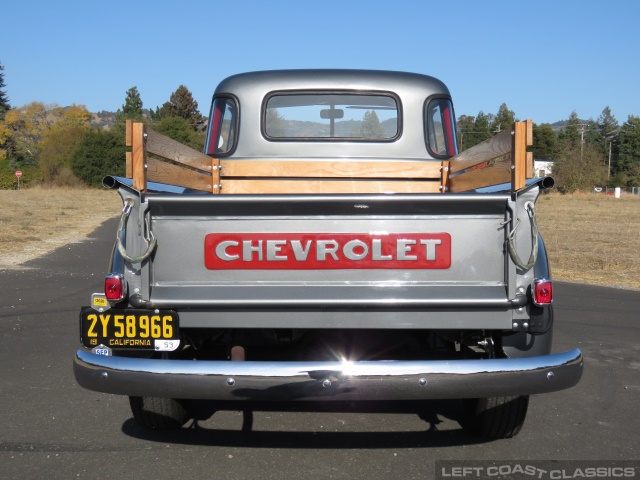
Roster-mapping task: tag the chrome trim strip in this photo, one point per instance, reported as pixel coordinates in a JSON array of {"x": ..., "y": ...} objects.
[{"x": 304, "y": 381}]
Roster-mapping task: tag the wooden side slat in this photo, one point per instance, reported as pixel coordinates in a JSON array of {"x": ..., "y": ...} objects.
[
  {"x": 530, "y": 165},
  {"x": 128, "y": 132},
  {"x": 496, "y": 172},
  {"x": 215, "y": 175},
  {"x": 327, "y": 186},
  {"x": 335, "y": 169},
  {"x": 489, "y": 149},
  {"x": 168, "y": 148},
  {"x": 444, "y": 179},
  {"x": 129, "y": 165},
  {"x": 162, "y": 172},
  {"x": 138, "y": 157},
  {"x": 519, "y": 157}
]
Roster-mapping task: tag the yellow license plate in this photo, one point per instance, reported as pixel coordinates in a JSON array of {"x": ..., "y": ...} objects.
[{"x": 130, "y": 328}]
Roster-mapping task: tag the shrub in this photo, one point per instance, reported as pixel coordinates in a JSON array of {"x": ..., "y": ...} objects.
[
  {"x": 98, "y": 154},
  {"x": 8, "y": 180}
]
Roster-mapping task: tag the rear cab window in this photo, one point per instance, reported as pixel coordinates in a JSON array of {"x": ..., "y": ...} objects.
[
  {"x": 326, "y": 116},
  {"x": 222, "y": 136},
  {"x": 440, "y": 122}
]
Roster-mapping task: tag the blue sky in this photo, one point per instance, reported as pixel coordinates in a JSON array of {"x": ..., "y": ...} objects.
[{"x": 543, "y": 58}]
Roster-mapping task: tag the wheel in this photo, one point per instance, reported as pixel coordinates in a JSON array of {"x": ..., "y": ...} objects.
[
  {"x": 159, "y": 413},
  {"x": 495, "y": 417}
]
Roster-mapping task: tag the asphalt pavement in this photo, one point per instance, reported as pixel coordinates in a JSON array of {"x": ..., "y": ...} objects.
[{"x": 52, "y": 428}]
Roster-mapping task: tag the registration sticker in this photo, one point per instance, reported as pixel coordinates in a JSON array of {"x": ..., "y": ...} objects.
[
  {"x": 101, "y": 350},
  {"x": 99, "y": 302},
  {"x": 166, "y": 345}
]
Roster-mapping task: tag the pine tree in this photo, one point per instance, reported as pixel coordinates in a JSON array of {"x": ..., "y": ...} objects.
[
  {"x": 97, "y": 154},
  {"x": 628, "y": 154},
  {"x": 4, "y": 100},
  {"x": 131, "y": 110},
  {"x": 544, "y": 142},
  {"x": 464, "y": 127},
  {"x": 608, "y": 129},
  {"x": 371, "y": 127},
  {"x": 181, "y": 104},
  {"x": 572, "y": 132},
  {"x": 479, "y": 131},
  {"x": 503, "y": 120}
]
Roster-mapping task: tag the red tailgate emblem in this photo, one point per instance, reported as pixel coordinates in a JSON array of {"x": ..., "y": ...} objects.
[{"x": 325, "y": 251}]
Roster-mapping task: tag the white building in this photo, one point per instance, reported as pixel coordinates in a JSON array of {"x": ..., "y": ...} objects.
[{"x": 542, "y": 168}]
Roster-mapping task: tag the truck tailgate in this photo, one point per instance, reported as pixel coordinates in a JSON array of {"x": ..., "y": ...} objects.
[{"x": 332, "y": 251}]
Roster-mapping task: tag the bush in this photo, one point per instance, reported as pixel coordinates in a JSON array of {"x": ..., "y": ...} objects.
[
  {"x": 578, "y": 168},
  {"x": 99, "y": 153},
  {"x": 179, "y": 130},
  {"x": 8, "y": 180}
]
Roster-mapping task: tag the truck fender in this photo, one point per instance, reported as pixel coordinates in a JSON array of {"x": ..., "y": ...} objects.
[{"x": 538, "y": 340}]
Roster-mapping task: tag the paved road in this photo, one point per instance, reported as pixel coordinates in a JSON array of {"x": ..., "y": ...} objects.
[{"x": 51, "y": 428}]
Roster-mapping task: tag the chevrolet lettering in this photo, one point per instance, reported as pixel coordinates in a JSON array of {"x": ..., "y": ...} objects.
[
  {"x": 330, "y": 244},
  {"x": 315, "y": 251}
]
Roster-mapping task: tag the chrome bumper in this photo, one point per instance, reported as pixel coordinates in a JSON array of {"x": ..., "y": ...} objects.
[{"x": 304, "y": 381}]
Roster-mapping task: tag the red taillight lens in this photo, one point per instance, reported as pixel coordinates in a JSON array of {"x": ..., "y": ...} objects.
[
  {"x": 542, "y": 292},
  {"x": 114, "y": 287}
]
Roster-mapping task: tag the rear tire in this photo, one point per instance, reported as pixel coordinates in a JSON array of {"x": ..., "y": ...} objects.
[
  {"x": 495, "y": 417},
  {"x": 158, "y": 413}
]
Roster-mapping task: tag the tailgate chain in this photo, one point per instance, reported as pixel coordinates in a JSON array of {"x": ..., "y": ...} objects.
[
  {"x": 150, "y": 238},
  {"x": 513, "y": 252}
]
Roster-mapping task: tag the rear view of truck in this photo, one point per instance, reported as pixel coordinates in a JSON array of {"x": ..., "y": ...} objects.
[{"x": 330, "y": 245}]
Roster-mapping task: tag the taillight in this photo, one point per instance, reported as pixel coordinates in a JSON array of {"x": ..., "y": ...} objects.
[
  {"x": 114, "y": 287},
  {"x": 542, "y": 292}
]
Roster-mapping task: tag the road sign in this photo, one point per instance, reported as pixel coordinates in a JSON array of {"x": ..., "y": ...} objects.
[{"x": 18, "y": 173}]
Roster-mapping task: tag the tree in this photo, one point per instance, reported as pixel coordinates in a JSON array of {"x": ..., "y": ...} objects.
[
  {"x": 371, "y": 127},
  {"x": 181, "y": 104},
  {"x": 592, "y": 135},
  {"x": 30, "y": 124},
  {"x": 4, "y": 100},
  {"x": 605, "y": 133},
  {"x": 6, "y": 141},
  {"x": 275, "y": 125},
  {"x": 544, "y": 142},
  {"x": 479, "y": 131},
  {"x": 56, "y": 152},
  {"x": 99, "y": 153},
  {"x": 131, "y": 110},
  {"x": 181, "y": 131},
  {"x": 571, "y": 134},
  {"x": 628, "y": 151},
  {"x": 503, "y": 120},
  {"x": 577, "y": 168},
  {"x": 607, "y": 124},
  {"x": 464, "y": 127}
]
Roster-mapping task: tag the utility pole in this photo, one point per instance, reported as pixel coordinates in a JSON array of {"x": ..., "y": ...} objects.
[{"x": 609, "y": 171}]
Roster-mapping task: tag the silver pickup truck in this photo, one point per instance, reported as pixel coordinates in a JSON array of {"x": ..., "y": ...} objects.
[{"x": 330, "y": 244}]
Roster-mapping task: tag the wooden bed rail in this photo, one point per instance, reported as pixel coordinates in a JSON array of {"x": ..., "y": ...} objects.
[
  {"x": 157, "y": 158},
  {"x": 500, "y": 159}
]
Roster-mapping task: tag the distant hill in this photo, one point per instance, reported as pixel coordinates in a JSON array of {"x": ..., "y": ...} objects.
[
  {"x": 102, "y": 120},
  {"x": 562, "y": 124}
]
